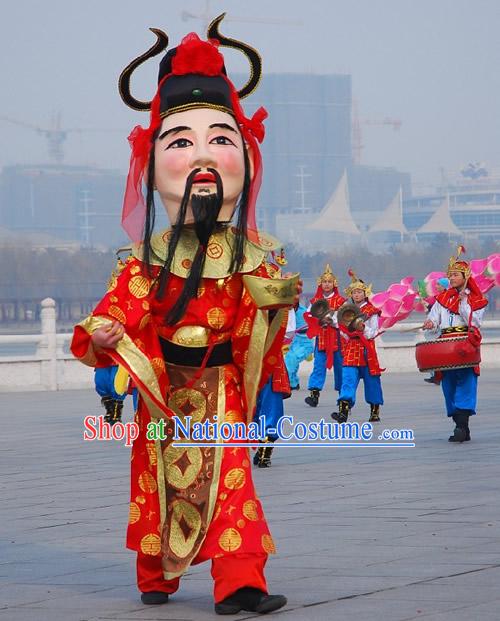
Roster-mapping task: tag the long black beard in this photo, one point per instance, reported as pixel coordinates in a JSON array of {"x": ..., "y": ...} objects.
[
  {"x": 240, "y": 228},
  {"x": 206, "y": 210}
]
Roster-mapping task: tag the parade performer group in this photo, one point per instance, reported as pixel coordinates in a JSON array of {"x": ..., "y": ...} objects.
[
  {"x": 459, "y": 310},
  {"x": 193, "y": 321}
]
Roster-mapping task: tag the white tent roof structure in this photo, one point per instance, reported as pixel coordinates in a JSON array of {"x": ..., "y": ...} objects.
[
  {"x": 335, "y": 217},
  {"x": 391, "y": 219},
  {"x": 440, "y": 221}
]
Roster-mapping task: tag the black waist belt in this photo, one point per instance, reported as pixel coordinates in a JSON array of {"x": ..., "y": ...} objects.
[{"x": 194, "y": 356}]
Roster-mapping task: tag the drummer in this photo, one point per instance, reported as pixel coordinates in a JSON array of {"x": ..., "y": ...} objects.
[{"x": 459, "y": 309}]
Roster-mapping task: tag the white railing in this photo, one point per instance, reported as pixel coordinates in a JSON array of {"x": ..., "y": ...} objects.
[{"x": 50, "y": 368}]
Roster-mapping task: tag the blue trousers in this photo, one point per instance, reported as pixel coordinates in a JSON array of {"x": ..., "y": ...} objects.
[
  {"x": 300, "y": 349},
  {"x": 460, "y": 390},
  {"x": 104, "y": 380},
  {"x": 350, "y": 381},
  {"x": 318, "y": 376},
  {"x": 269, "y": 407}
]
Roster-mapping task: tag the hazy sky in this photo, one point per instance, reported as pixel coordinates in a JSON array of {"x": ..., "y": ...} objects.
[{"x": 433, "y": 64}]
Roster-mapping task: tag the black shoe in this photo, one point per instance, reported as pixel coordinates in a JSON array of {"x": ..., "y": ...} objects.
[
  {"x": 461, "y": 432},
  {"x": 154, "y": 598},
  {"x": 251, "y": 600},
  {"x": 459, "y": 435},
  {"x": 262, "y": 457},
  {"x": 429, "y": 380},
  {"x": 374, "y": 413},
  {"x": 313, "y": 398},
  {"x": 113, "y": 409},
  {"x": 343, "y": 414}
]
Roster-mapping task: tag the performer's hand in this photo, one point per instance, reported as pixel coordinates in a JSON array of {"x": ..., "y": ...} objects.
[
  {"x": 108, "y": 336},
  {"x": 428, "y": 325},
  {"x": 296, "y": 299},
  {"x": 462, "y": 295},
  {"x": 326, "y": 321}
]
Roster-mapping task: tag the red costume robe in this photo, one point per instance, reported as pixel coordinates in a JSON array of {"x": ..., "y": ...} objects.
[
  {"x": 327, "y": 337},
  {"x": 191, "y": 504},
  {"x": 355, "y": 344}
]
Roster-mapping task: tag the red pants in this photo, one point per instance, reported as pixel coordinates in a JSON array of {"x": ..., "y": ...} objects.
[{"x": 230, "y": 573}]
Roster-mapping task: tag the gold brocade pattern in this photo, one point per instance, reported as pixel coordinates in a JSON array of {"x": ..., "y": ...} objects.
[
  {"x": 215, "y": 266},
  {"x": 216, "y": 318},
  {"x": 151, "y": 544},
  {"x": 158, "y": 365},
  {"x": 153, "y": 458},
  {"x": 134, "y": 513},
  {"x": 182, "y": 465},
  {"x": 185, "y": 527},
  {"x": 250, "y": 510},
  {"x": 191, "y": 473},
  {"x": 147, "y": 482},
  {"x": 187, "y": 401},
  {"x": 235, "y": 478},
  {"x": 117, "y": 313},
  {"x": 268, "y": 544},
  {"x": 244, "y": 328},
  {"x": 144, "y": 321},
  {"x": 139, "y": 286},
  {"x": 230, "y": 540},
  {"x": 214, "y": 250}
]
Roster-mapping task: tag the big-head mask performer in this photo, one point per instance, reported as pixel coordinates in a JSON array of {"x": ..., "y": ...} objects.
[
  {"x": 457, "y": 310},
  {"x": 194, "y": 322},
  {"x": 200, "y": 152}
]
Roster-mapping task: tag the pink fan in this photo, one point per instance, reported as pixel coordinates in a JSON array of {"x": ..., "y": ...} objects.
[
  {"x": 396, "y": 303},
  {"x": 492, "y": 270}
]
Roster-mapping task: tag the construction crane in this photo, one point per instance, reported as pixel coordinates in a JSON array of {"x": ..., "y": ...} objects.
[
  {"x": 55, "y": 134},
  {"x": 208, "y": 15},
  {"x": 356, "y": 133}
]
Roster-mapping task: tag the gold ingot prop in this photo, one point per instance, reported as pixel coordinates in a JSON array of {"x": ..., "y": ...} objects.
[{"x": 269, "y": 293}]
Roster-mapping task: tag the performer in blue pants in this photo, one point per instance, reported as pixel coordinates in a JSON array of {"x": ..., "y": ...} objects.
[
  {"x": 301, "y": 348},
  {"x": 327, "y": 350},
  {"x": 351, "y": 377},
  {"x": 104, "y": 380},
  {"x": 270, "y": 402}
]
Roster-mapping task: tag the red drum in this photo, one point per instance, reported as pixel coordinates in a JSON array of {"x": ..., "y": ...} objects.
[{"x": 448, "y": 352}]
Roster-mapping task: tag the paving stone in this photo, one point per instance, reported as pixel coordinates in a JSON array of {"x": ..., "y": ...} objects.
[{"x": 381, "y": 534}]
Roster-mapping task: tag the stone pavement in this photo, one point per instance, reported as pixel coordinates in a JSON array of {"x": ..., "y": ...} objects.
[{"x": 376, "y": 534}]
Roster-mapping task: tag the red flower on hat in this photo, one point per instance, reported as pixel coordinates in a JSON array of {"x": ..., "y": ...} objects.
[{"x": 196, "y": 56}]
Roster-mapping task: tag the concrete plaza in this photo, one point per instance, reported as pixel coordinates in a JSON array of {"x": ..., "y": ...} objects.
[{"x": 366, "y": 533}]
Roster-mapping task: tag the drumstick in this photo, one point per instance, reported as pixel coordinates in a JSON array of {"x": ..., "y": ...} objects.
[{"x": 413, "y": 329}]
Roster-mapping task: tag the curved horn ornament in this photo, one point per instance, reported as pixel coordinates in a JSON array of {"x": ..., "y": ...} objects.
[
  {"x": 124, "y": 79},
  {"x": 252, "y": 55}
]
